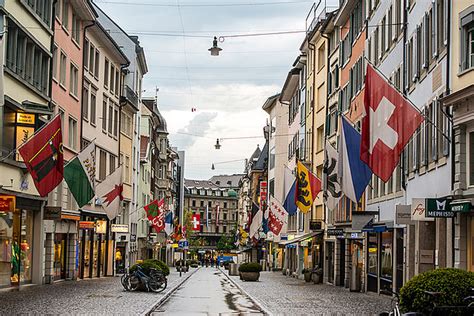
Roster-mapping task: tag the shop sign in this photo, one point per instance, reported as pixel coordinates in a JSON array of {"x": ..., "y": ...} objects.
[
  {"x": 86, "y": 225},
  {"x": 315, "y": 225},
  {"x": 25, "y": 118},
  {"x": 439, "y": 208},
  {"x": 71, "y": 217},
  {"x": 403, "y": 215},
  {"x": 263, "y": 194},
  {"x": 133, "y": 238},
  {"x": 119, "y": 228},
  {"x": 52, "y": 213},
  {"x": 462, "y": 207},
  {"x": 7, "y": 203},
  {"x": 418, "y": 210},
  {"x": 101, "y": 227},
  {"x": 335, "y": 232},
  {"x": 427, "y": 256},
  {"x": 175, "y": 246},
  {"x": 354, "y": 235}
]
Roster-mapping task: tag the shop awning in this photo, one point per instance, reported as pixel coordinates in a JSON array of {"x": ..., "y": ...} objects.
[
  {"x": 360, "y": 221},
  {"x": 243, "y": 250},
  {"x": 299, "y": 238}
]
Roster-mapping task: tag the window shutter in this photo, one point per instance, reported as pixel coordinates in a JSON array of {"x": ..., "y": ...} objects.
[
  {"x": 447, "y": 130},
  {"x": 405, "y": 65},
  {"x": 419, "y": 50},
  {"x": 445, "y": 19},
  {"x": 414, "y": 57},
  {"x": 434, "y": 31},
  {"x": 434, "y": 133},
  {"x": 394, "y": 25},
  {"x": 336, "y": 84},
  {"x": 464, "y": 49},
  {"x": 423, "y": 147},
  {"x": 426, "y": 39}
]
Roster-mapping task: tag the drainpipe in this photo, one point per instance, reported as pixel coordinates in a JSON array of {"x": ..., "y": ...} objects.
[
  {"x": 405, "y": 14},
  {"x": 82, "y": 83}
]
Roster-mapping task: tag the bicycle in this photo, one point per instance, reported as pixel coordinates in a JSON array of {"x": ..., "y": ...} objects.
[
  {"x": 395, "y": 305},
  {"x": 155, "y": 281},
  {"x": 436, "y": 309}
]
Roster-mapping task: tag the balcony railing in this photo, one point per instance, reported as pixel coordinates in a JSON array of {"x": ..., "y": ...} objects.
[
  {"x": 130, "y": 96},
  {"x": 318, "y": 13}
]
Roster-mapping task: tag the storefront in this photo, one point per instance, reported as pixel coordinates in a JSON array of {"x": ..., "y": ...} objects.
[
  {"x": 96, "y": 249},
  {"x": 333, "y": 258},
  {"x": 19, "y": 240}
]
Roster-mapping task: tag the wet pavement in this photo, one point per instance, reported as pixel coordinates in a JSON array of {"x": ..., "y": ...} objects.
[{"x": 208, "y": 292}]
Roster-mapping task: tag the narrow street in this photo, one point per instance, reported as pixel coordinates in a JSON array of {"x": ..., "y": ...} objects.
[{"x": 207, "y": 292}]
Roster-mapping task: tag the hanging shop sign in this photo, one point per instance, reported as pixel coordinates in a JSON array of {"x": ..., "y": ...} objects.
[
  {"x": 133, "y": 238},
  {"x": 86, "y": 225},
  {"x": 335, "y": 232},
  {"x": 7, "y": 203},
  {"x": 119, "y": 228},
  {"x": 440, "y": 207},
  {"x": 403, "y": 214},
  {"x": 263, "y": 194},
  {"x": 101, "y": 227},
  {"x": 418, "y": 210},
  {"x": 52, "y": 213},
  {"x": 25, "y": 118},
  {"x": 315, "y": 225},
  {"x": 461, "y": 206}
]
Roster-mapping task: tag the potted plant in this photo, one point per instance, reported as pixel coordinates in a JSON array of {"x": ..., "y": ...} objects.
[
  {"x": 307, "y": 274},
  {"x": 250, "y": 271},
  {"x": 317, "y": 275}
]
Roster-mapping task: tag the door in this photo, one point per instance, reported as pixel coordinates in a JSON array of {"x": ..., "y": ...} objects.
[
  {"x": 342, "y": 262},
  {"x": 330, "y": 260}
]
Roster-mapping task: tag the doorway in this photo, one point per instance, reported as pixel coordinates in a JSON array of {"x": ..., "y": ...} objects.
[{"x": 330, "y": 261}]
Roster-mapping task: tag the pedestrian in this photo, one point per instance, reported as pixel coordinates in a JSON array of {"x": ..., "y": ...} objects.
[{"x": 212, "y": 262}]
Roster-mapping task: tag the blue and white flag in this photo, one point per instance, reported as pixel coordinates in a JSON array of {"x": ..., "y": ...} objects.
[
  {"x": 356, "y": 174},
  {"x": 169, "y": 223},
  {"x": 290, "y": 192}
]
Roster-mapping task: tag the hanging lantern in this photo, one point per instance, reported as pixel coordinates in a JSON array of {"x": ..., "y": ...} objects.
[
  {"x": 212, "y": 167},
  {"x": 214, "y": 49},
  {"x": 217, "y": 145}
]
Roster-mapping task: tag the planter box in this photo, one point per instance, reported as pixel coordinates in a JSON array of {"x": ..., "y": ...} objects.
[
  {"x": 316, "y": 278},
  {"x": 250, "y": 276},
  {"x": 307, "y": 276}
]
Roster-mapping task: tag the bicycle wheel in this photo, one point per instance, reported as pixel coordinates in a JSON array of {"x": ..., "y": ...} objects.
[
  {"x": 125, "y": 280},
  {"x": 156, "y": 285},
  {"x": 134, "y": 282}
]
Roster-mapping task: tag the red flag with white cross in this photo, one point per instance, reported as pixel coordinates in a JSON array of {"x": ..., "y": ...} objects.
[
  {"x": 390, "y": 121},
  {"x": 196, "y": 221}
]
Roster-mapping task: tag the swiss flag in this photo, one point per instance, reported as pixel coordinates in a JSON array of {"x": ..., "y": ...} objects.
[
  {"x": 43, "y": 156},
  {"x": 389, "y": 123},
  {"x": 196, "y": 221}
]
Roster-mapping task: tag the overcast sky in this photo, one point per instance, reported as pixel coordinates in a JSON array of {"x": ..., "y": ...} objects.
[{"x": 227, "y": 91}]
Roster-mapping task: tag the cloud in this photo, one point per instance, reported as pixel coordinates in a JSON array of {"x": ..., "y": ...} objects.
[{"x": 197, "y": 126}]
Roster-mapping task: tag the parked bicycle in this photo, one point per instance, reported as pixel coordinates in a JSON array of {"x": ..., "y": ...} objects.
[
  {"x": 154, "y": 281},
  {"x": 395, "y": 305}
]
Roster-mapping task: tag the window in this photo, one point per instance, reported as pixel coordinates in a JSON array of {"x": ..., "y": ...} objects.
[
  {"x": 86, "y": 54},
  {"x": 55, "y": 61},
  {"x": 193, "y": 203},
  {"x": 91, "y": 58},
  {"x": 85, "y": 101},
  {"x": 42, "y": 8},
  {"x": 72, "y": 133},
  {"x": 62, "y": 69},
  {"x": 76, "y": 28},
  {"x": 57, "y": 9},
  {"x": 111, "y": 164},
  {"x": 117, "y": 82},
  {"x": 225, "y": 206},
  {"x": 320, "y": 138},
  {"x": 202, "y": 203},
  {"x": 106, "y": 73},
  {"x": 272, "y": 158},
  {"x": 331, "y": 124},
  {"x": 112, "y": 78},
  {"x": 102, "y": 164},
  {"x": 97, "y": 64},
  {"x": 104, "y": 114},
  {"x": 65, "y": 14},
  {"x": 467, "y": 46},
  {"x": 93, "y": 102},
  {"x": 321, "y": 56},
  {"x": 110, "y": 118},
  {"x": 126, "y": 125},
  {"x": 127, "y": 169},
  {"x": 73, "y": 80},
  {"x": 116, "y": 117},
  {"x": 26, "y": 59}
]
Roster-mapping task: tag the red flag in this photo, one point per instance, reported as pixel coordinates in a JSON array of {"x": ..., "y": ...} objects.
[
  {"x": 389, "y": 123},
  {"x": 196, "y": 222},
  {"x": 156, "y": 214},
  {"x": 274, "y": 224},
  {"x": 277, "y": 216},
  {"x": 43, "y": 156}
]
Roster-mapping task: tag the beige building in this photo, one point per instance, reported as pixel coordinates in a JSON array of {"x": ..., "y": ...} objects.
[{"x": 25, "y": 106}]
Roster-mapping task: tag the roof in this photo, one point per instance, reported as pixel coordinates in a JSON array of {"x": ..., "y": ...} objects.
[
  {"x": 270, "y": 102},
  {"x": 144, "y": 142},
  {"x": 205, "y": 184},
  {"x": 290, "y": 85},
  {"x": 261, "y": 163},
  {"x": 105, "y": 38},
  {"x": 227, "y": 181},
  {"x": 150, "y": 103},
  {"x": 255, "y": 154}
]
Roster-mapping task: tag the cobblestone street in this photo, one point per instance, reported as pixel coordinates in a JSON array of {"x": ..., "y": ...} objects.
[
  {"x": 104, "y": 296},
  {"x": 282, "y": 295}
]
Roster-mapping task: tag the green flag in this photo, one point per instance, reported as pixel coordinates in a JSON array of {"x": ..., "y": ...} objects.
[{"x": 79, "y": 174}]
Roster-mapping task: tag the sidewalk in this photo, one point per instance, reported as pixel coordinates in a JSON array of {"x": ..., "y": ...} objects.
[
  {"x": 92, "y": 297},
  {"x": 282, "y": 295}
]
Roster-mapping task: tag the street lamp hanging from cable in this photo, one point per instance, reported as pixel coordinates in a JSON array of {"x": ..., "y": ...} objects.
[
  {"x": 217, "y": 145},
  {"x": 214, "y": 49}
]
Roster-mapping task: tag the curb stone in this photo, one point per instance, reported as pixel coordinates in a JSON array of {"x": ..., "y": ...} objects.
[
  {"x": 162, "y": 299},
  {"x": 264, "y": 310}
]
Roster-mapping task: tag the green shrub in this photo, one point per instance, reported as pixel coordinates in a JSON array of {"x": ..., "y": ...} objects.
[
  {"x": 152, "y": 263},
  {"x": 454, "y": 283},
  {"x": 250, "y": 267}
]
